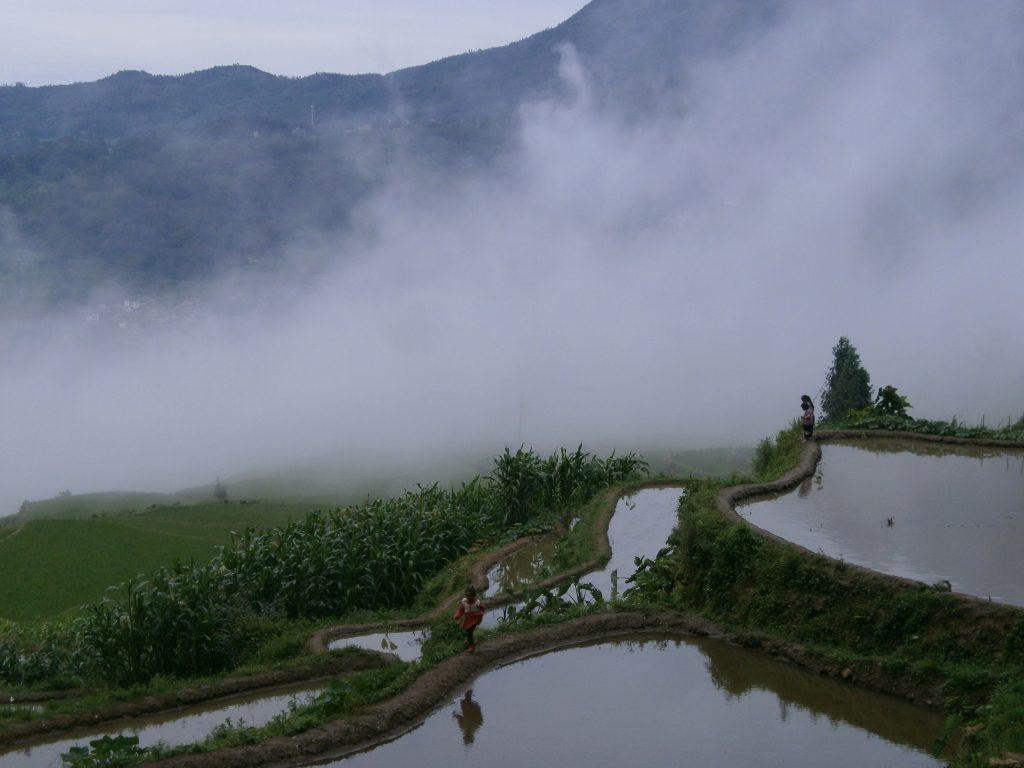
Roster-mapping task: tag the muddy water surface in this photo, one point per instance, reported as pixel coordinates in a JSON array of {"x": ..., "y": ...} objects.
[
  {"x": 920, "y": 512},
  {"x": 661, "y": 702},
  {"x": 529, "y": 565},
  {"x": 183, "y": 726}
]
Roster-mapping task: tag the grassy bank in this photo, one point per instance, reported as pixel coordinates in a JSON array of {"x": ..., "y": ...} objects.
[{"x": 871, "y": 418}]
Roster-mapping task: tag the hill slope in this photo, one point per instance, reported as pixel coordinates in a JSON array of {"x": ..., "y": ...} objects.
[{"x": 153, "y": 181}]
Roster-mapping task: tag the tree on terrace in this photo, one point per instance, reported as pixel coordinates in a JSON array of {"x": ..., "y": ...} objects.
[{"x": 848, "y": 385}]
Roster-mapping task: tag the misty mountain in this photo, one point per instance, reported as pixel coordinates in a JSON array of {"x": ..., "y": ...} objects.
[
  {"x": 151, "y": 182},
  {"x": 649, "y": 238},
  {"x": 633, "y": 50}
]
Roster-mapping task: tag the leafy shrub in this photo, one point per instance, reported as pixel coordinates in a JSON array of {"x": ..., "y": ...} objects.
[{"x": 106, "y": 752}]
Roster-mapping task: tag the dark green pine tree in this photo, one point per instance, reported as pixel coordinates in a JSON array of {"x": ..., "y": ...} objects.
[{"x": 848, "y": 385}]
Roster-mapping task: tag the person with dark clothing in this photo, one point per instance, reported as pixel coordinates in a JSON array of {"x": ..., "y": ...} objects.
[{"x": 807, "y": 417}]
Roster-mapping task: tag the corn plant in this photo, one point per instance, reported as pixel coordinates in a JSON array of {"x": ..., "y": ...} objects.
[
  {"x": 33, "y": 655},
  {"x": 526, "y": 486}
]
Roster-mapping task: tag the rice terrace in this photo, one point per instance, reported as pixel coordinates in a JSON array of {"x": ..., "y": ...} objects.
[
  {"x": 915, "y": 673},
  {"x": 422, "y": 384}
]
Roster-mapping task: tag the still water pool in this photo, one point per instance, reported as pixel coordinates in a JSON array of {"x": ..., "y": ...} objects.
[
  {"x": 663, "y": 702},
  {"x": 926, "y": 513}
]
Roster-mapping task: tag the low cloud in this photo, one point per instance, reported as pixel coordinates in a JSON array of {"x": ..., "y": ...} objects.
[{"x": 677, "y": 281}]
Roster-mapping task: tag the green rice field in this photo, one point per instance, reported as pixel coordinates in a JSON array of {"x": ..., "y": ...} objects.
[{"x": 51, "y": 566}]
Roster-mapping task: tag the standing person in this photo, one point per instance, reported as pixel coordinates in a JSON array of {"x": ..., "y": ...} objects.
[
  {"x": 469, "y": 614},
  {"x": 807, "y": 417}
]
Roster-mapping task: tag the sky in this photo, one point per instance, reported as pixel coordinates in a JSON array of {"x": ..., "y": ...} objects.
[
  {"x": 48, "y": 42},
  {"x": 679, "y": 281}
]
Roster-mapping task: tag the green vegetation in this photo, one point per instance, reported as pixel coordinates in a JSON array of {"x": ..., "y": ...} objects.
[
  {"x": 106, "y": 752},
  {"x": 775, "y": 456},
  {"x": 848, "y": 404},
  {"x": 873, "y": 418},
  {"x": 890, "y": 402},
  {"x": 199, "y": 618},
  {"x": 570, "y": 599},
  {"x": 52, "y": 566},
  {"x": 528, "y": 486},
  {"x": 848, "y": 385},
  {"x": 345, "y": 696}
]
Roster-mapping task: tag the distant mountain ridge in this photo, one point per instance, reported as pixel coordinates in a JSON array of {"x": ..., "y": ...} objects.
[
  {"x": 153, "y": 181},
  {"x": 639, "y": 42}
]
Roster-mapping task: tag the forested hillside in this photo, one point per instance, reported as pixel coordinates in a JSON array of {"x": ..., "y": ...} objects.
[{"x": 151, "y": 182}]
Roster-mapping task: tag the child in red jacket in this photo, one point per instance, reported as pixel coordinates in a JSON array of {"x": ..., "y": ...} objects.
[{"x": 471, "y": 613}]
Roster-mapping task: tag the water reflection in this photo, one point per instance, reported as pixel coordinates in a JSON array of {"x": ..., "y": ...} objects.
[
  {"x": 529, "y": 565},
  {"x": 664, "y": 701},
  {"x": 931, "y": 513},
  {"x": 469, "y": 717},
  {"x": 640, "y": 527},
  {"x": 405, "y": 645},
  {"x": 739, "y": 672},
  {"x": 805, "y": 487}
]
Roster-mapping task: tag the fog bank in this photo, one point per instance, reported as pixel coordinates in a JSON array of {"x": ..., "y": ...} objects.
[{"x": 673, "y": 281}]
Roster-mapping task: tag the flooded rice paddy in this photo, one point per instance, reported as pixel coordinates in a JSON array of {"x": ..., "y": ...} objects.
[
  {"x": 661, "y": 701},
  {"x": 640, "y": 526},
  {"x": 640, "y": 701},
  {"x": 906, "y": 509},
  {"x": 183, "y": 726}
]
